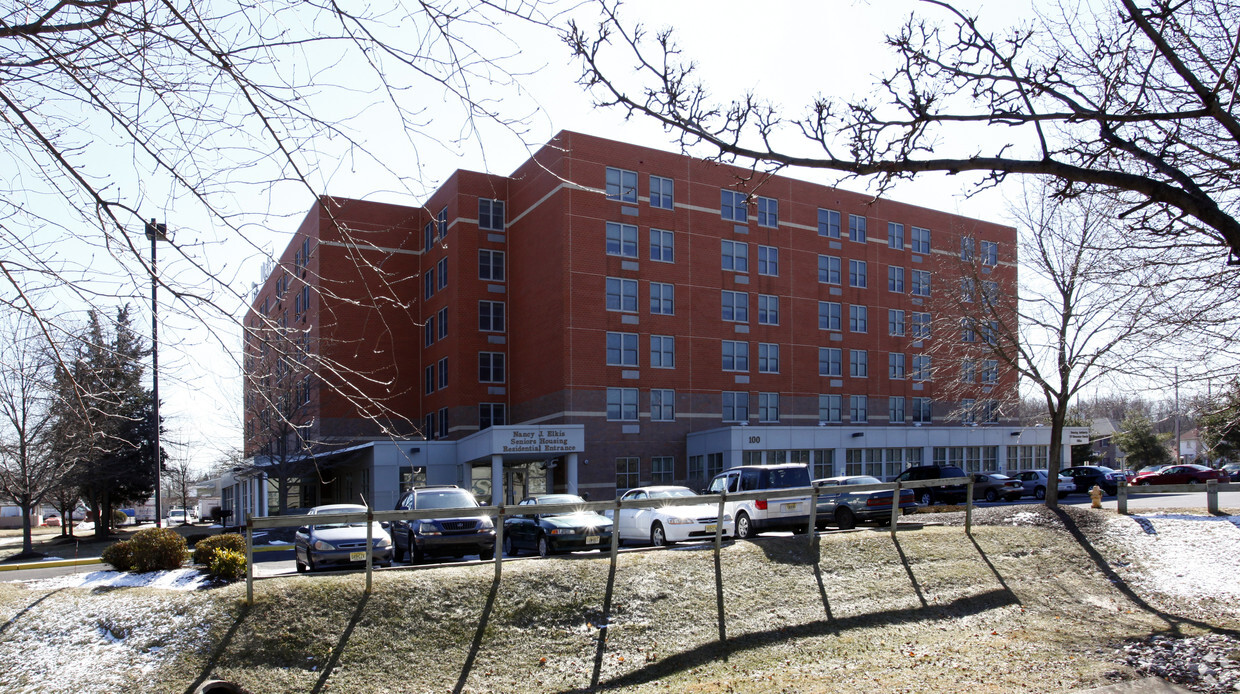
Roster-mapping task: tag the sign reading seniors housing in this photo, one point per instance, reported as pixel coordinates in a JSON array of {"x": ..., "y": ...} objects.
[{"x": 542, "y": 440}]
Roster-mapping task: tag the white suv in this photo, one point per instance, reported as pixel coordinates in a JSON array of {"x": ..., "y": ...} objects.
[{"x": 759, "y": 515}]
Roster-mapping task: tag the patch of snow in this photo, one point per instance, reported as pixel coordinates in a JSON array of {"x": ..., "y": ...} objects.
[
  {"x": 1024, "y": 518},
  {"x": 1185, "y": 555},
  {"x": 278, "y": 542},
  {"x": 181, "y": 579}
]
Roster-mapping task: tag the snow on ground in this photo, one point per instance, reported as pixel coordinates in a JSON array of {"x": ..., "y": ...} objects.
[
  {"x": 181, "y": 579},
  {"x": 1185, "y": 555}
]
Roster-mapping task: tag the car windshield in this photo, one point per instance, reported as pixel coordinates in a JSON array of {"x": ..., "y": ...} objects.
[
  {"x": 789, "y": 477},
  {"x": 560, "y": 499},
  {"x": 339, "y": 509},
  {"x": 668, "y": 493},
  {"x": 448, "y": 498},
  {"x": 863, "y": 480}
]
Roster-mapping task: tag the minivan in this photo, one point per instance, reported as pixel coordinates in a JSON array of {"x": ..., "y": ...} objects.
[
  {"x": 758, "y": 515},
  {"x": 947, "y": 494}
]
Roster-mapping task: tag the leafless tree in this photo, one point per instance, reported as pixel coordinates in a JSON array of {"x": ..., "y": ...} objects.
[
  {"x": 1133, "y": 98},
  {"x": 179, "y": 476}
]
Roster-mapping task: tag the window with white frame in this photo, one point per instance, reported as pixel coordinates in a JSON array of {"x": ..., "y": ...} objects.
[
  {"x": 735, "y": 406},
  {"x": 428, "y": 237},
  {"x": 858, "y": 409},
  {"x": 443, "y": 273},
  {"x": 858, "y": 363},
  {"x": 662, "y": 248},
  {"x": 732, "y": 206},
  {"x": 428, "y": 332},
  {"x": 490, "y": 367},
  {"x": 735, "y": 355},
  {"x": 491, "y": 316},
  {"x": 768, "y": 407},
  {"x": 858, "y": 319},
  {"x": 828, "y": 269},
  {"x": 895, "y": 365},
  {"x": 921, "y": 240},
  {"x": 621, "y": 295},
  {"x": 968, "y": 411},
  {"x": 829, "y": 408},
  {"x": 735, "y": 306},
  {"x": 428, "y": 379},
  {"x": 990, "y": 253},
  {"x": 921, "y": 410},
  {"x": 622, "y": 349},
  {"x": 735, "y": 256},
  {"x": 990, "y": 332},
  {"x": 622, "y": 404},
  {"x": 662, "y": 469},
  {"x": 895, "y": 409},
  {"x": 662, "y": 352},
  {"x": 491, "y": 214},
  {"x": 921, "y": 283},
  {"x": 920, "y": 326},
  {"x": 768, "y": 309},
  {"x": 966, "y": 249},
  {"x": 857, "y": 274},
  {"x": 428, "y": 284},
  {"x": 768, "y": 358},
  {"x": 895, "y": 279},
  {"x": 921, "y": 367},
  {"x": 895, "y": 236},
  {"x": 856, "y": 228},
  {"x": 829, "y": 315},
  {"x": 768, "y": 212},
  {"x": 968, "y": 371},
  {"x": 621, "y": 185},
  {"x": 830, "y": 361},
  {"x": 895, "y": 322},
  {"x": 443, "y": 373},
  {"x": 443, "y": 322},
  {"x": 990, "y": 411},
  {"x": 828, "y": 223},
  {"x": 768, "y": 261},
  {"x": 662, "y": 299},
  {"x": 661, "y": 192},
  {"x": 662, "y": 405},
  {"x": 990, "y": 371},
  {"x": 443, "y": 423},
  {"x": 621, "y": 240},
  {"x": 968, "y": 330},
  {"x": 627, "y": 476},
  {"x": 990, "y": 292},
  {"x": 490, "y": 265},
  {"x": 441, "y": 221},
  {"x": 492, "y": 414},
  {"x": 967, "y": 288},
  {"x": 430, "y": 427}
]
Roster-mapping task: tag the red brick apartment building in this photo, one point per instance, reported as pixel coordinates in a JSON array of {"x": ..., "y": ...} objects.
[{"x": 674, "y": 316}]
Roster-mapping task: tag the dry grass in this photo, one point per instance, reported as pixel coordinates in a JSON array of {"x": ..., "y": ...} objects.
[{"x": 1015, "y": 609}]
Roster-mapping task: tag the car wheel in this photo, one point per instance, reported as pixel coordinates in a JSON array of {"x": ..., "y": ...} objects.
[
  {"x": 925, "y": 498},
  {"x": 800, "y": 529},
  {"x": 991, "y": 495},
  {"x": 1143, "y": 483},
  {"x": 742, "y": 526},
  {"x": 301, "y": 568},
  {"x": 658, "y": 537},
  {"x": 1194, "y": 481},
  {"x": 845, "y": 519},
  {"x": 544, "y": 546},
  {"x": 309, "y": 561},
  {"x": 510, "y": 550},
  {"x": 396, "y": 555},
  {"x": 1039, "y": 493},
  {"x": 487, "y": 554},
  {"x": 416, "y": 555}
]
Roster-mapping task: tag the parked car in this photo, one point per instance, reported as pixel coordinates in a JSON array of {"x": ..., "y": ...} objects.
[
  {"x": 926, "y": 496},
  {"x": 1084, "y": 477},
  {"x": 549, "y": 533},
  {"x": 844, "y": 508},
  {"x": 455, "y": 535},
  {"x": 1034, "y": 483},
  {"x": 331, "y": 543},
  {"x": 993, "y": 486},
  {"x": 1182, "y": 474},
  {"x": 1232, "y": 470},
  {"x": 760, "y": 515},
  {"x": 180, "y": 516},
  {"x": 663, "y": 525}
]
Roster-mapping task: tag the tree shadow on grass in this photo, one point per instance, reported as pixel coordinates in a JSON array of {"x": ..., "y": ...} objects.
[
  {"x": 220, "y": 648},
  {"x": 474, "y": 647},
  {"x": 334, "y": 659},
  {"x": 998, "y": 576},
  {"x": 4, "y": 627}
]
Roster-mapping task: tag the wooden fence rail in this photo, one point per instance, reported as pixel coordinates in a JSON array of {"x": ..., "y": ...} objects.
[{"x": 1211, "y": 489}]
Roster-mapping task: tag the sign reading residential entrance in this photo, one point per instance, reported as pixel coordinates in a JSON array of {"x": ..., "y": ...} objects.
[{"x": 542, "y": 440}]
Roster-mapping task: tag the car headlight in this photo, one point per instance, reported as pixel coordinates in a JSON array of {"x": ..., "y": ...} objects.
[
  {"x": 323, "y": 546},
  {"x": 562, "y": 531},
  {"x": 727, "y": 518},
  {"x": 425, "y": 528},
  {"x": 382, "y": 542},
  {"x": 680, "y": 521},
  {"x": 485, "y": 523}
]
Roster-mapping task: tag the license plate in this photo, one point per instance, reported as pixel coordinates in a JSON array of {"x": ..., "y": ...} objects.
[
  {"x": 790, "y": 507},
  {"x": 591, "y": 539},
  {"x": 710, "y": 528},
  {"x": 357, "y": 556}
]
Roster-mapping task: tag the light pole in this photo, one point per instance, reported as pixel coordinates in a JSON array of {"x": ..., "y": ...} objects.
[{"x": 156, "y": 232}]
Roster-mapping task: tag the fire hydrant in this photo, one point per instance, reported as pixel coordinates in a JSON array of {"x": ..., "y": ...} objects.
[{"x": 1095, "y": 497}]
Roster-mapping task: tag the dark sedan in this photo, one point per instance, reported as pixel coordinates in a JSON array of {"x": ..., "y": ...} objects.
[
  {"x": 1182, "y": 474},
  {"x": 1086, "y": 476},
  {"x": 845, "y": 508},
  {"x": 548, "y": 533}
]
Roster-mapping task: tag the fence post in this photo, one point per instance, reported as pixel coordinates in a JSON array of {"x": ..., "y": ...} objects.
[
  {"x": 723, "y": 628},
  {"x": 1121, "y": 498},
  {"x": 968, "y": 507},
  {"x": 249, "y": 559},
  {"x": 895, "y": 507},
  {"x": 615, "y": 535},
  {"x": 499, "y": 542},
  {"x": 1212, "y": 497},
  {"x": 813, "y": 514},
  {"x": 370, "y": 546}
]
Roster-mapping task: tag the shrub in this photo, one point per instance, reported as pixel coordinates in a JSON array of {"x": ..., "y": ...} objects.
[
  {"x": 119, "y": 517},
  {"x": 226, "y": 564},
  {"x": 157, "y": 549},
  {"x": 119, "y": 555},
  {"x": 206, "y": 548}
]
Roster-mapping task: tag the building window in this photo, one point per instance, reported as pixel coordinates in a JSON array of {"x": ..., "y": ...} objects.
[
  {"x": 621, "y": 295},
  {"x": 968, "y": 371},
  {"x": 492, "y": 414},
  {"x": 921, "y": 240},
  {"x": 857, "y": 274},
  {"x": 990, "y": 371},
  {"x": 735, "y": 407},
  {"x": 662, "y": 405},
  {"x": 626, "y": 474},
  {"x": 895, "y": 409},
  {"x": 622, "y": 349},
  {"x": 429, "y": 378},
  {"x": 442, "y": 220},
  {"x": 768, "y": 407},
  {"x": 428, "y": 431},
  {"x": 768, "y": 212},
  {"x": 829, "y": 315},
  {"x": 661, "y": 247},
  {"x": 621, "y": 185},
  {"x": 990, "y": 292},
  {"x": 921, "y": 367},
  {"x": 966, "y": 249},
  {"x": 856, "y": 228},
  {"x": 661, "y": 192},
  {"x": 830, "y": 361},
  {"x": 858, "y": 319},
  {"x": 990, "y": 412},
  {"x": 443, "y": 422},
  {"x": 443, "y": 273},
  {"x": 921, "y": 325},
  {"x": 968, "y": 331},
  {"x": 443, "y": 373},
  {"x": 858, "y": 363},
  {"x": 490, "y": 367},
  {"x": 428, "y": 332},
  {"x": 895, "y": 279},
  {"x": 428, "y": 284},
  {"x": 966, "y": 289},
  {"x": 858, "y": 409},
  {"x": 428, "y": 237},
  {"x": 735, "y": 306},
  {"x": 768, "y": 358},
  {"x": 622, "y": 404},
  {"x": 302, "y": 302},
  {"x": 621, "y": 239},
  {"x": 662, "y": 299},
  {"x": 662, "y": 352},
  {"x": 735, "y": 256},
  {"x": 829, "y": 408},
  {"x": 768, "y": 261},
  {"x": 968, "y": 411},
  {"x": 491, "y": 265},
  {"x": 921, "y": 410},
  {"x": 732, "y": 206},
  {"x": 990, "y": 332},
  {"x": 921, "y": 283},
  {"x": 895, "y": 236},
  {"x": 443, "y": 322},
  {"x": 828, "y": 223},
  {"x": 662, "y": 469},
  {"x": 895, "y": 322},
  {"x": 768, "y": 309},
  {"x": 895, "y": 365},
  {"x": 491, "y": 214},
  {"x": 990, "y": 253},
  {"x": 735, "y": 355},
  {"x": 491, "y": 316}
]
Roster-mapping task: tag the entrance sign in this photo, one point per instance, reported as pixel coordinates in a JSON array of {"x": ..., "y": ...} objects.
[{"x": 542, "y": 440}]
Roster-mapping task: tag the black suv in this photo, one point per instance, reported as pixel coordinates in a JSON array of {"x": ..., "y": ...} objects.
[
  {"x": 443, "y": 536},
  {"x": 1086, "y": 476},
  {"x": 949, "y": 494}
]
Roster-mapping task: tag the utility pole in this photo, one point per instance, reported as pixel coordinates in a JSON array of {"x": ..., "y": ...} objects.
[
  {"x": 1177, "y": 414},
  {"x": 156, "y": 232}
]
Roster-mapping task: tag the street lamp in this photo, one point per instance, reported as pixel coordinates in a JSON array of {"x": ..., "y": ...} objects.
[{"x": 156, "y": 232}]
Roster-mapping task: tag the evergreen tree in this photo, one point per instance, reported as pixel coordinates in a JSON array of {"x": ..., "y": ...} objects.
[
  {"x": 1220, "y": 425},
  {"x": 1143, "y": 447}
]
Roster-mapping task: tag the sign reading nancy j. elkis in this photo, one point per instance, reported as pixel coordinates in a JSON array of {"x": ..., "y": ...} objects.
[{"x": 543, "y": 440}]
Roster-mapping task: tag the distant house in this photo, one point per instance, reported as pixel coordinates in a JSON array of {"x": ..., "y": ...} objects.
[{"x": 1102, "y": 432}]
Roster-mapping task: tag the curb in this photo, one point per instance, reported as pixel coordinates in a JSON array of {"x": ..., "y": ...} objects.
[{"x": 96, "y": 560}]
